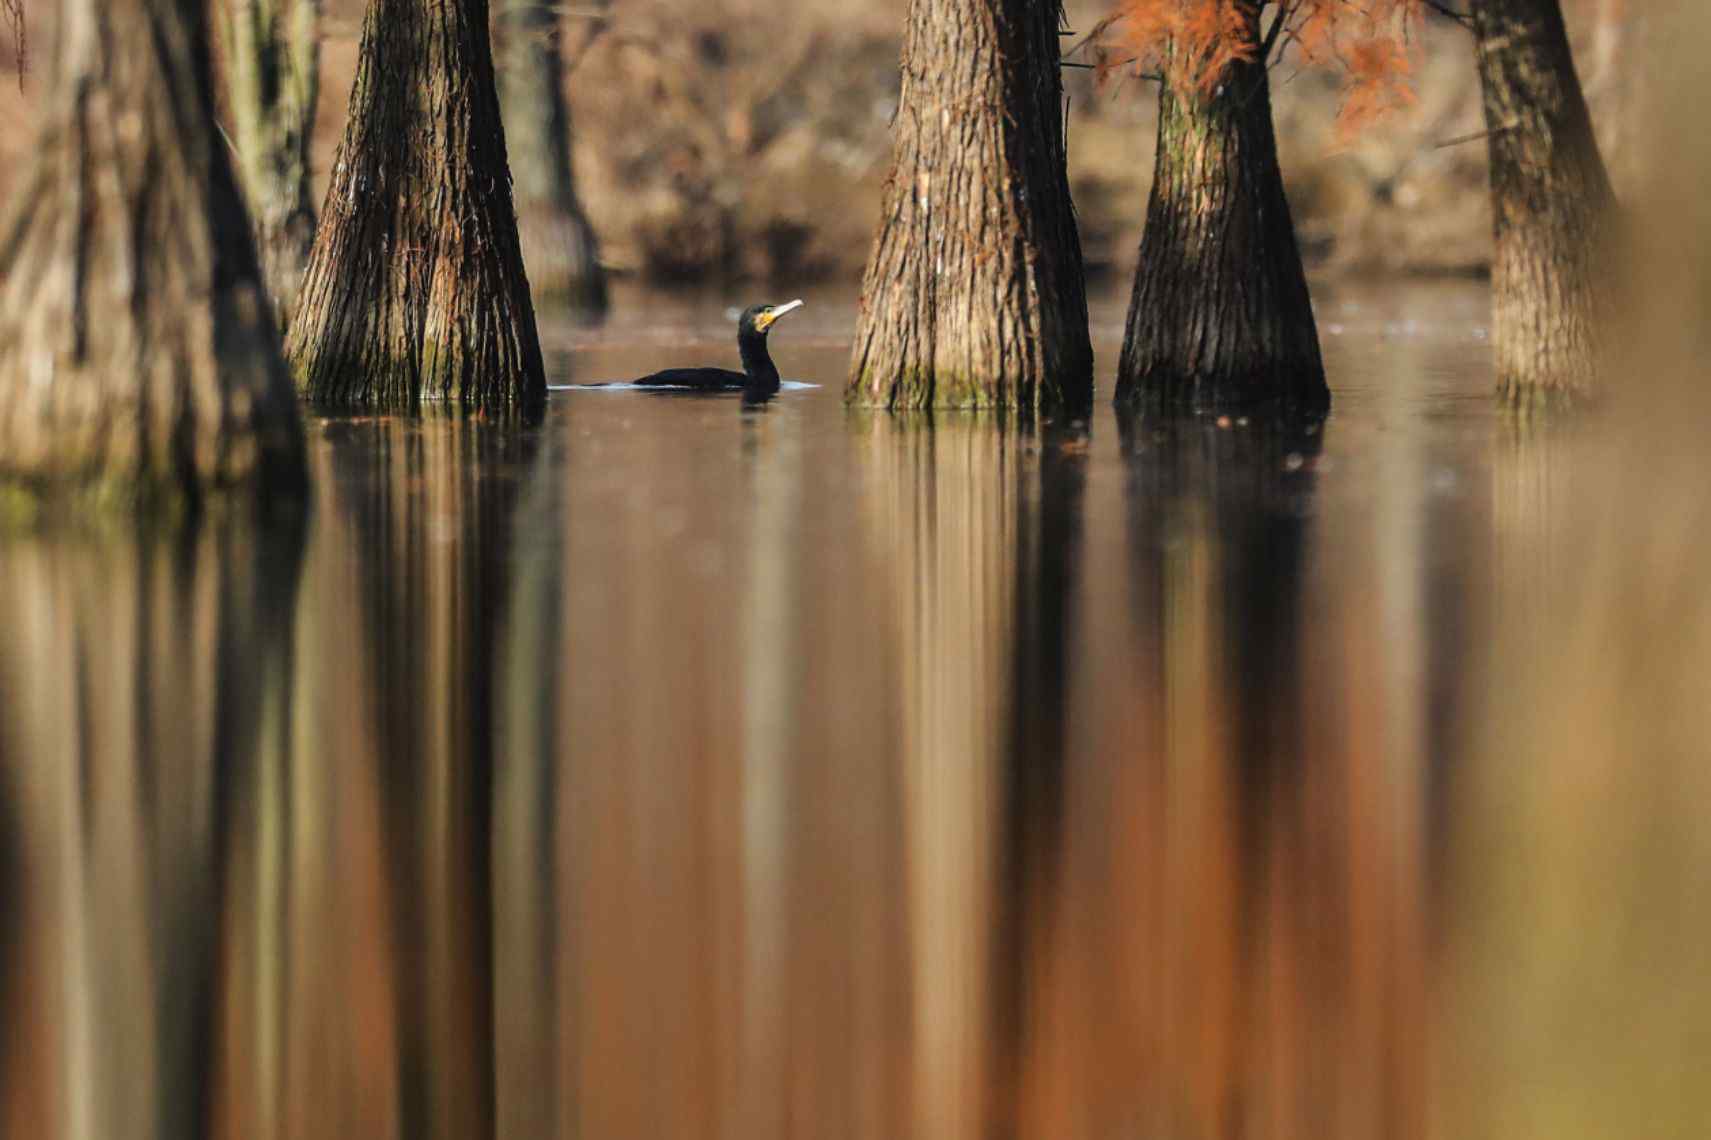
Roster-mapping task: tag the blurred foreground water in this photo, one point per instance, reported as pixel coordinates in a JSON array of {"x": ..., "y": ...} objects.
[{"x": 676, "y": 770}]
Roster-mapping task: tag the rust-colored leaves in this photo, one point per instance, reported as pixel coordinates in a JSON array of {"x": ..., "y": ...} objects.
[{"x": 1192, "y": 43}]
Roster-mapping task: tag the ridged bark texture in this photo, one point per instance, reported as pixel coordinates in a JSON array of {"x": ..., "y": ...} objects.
[
  {"x": 415, "y": 289},
  {"x": 1220, "y": 315},
  {"x": 138, "y": 352},
  {"x": 273, "y": 74},
  {"x": 974, "y": 295},
  {"x": 559, "y": 246},
  {"x": 1552, "y": 207}
]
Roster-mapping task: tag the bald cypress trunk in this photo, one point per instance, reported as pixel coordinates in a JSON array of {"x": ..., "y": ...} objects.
[
  {"x": 559, "y": 246},
  {"x": 1552, "y": 207},
  {"x": 137, "y": 348},
  {"x": 415, "y": 289},
  {"x": 974, "y": 295},
  {"x": 273, "y": 73},
  {"x": 1220, "y": 315}
]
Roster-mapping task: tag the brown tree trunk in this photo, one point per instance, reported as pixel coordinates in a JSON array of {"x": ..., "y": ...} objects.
[
  {"x": 415, "y": 289},
  {"x": 974, "y": 294},
  {"x": 273, "y": 73},
  {"x": 1552, "y": 207},
  {"x": 558, "y": 243},
  {"x": 138, "y": 353},
  {"x": 1220, "y": 315}
]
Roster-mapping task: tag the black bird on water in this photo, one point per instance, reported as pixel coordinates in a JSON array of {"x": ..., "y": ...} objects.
[{"x": 759, "y": 377}]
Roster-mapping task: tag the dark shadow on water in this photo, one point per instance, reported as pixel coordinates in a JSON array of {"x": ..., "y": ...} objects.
[
  {"x": 1049, "y": 538},
  {"x": 1225, "y": 504}
]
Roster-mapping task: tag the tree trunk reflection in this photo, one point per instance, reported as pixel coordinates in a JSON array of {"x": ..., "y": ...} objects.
[{"x": 123, "y": 767}]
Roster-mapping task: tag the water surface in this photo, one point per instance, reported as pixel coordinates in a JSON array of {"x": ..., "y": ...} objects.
[{"x": 676, "y": 769}]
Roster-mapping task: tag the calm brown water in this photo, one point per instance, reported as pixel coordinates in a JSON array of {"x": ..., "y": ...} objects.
[{"x": 676, "y": 770}]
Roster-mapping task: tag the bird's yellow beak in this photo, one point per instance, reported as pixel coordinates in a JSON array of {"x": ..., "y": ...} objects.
[{"x": 769, "y": 318}]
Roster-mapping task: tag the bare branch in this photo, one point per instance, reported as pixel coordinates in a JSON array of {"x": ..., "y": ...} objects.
[
  {"x": 14, "y": 12},
  {"x": 1285, "y": 9},
  {"x": 1443, "y": 9},
  {"x": 1476, "y": 136}
]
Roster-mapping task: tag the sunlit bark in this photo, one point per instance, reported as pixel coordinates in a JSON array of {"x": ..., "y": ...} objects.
[
  {"x": 973, "y": 295},
  {"x": 415, "y": 290},
  {"x": 1553, "y": 280}
]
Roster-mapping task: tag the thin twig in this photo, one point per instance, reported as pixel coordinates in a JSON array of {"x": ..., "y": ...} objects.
[
  {"x": 1476, "y": 136},
  {"x": 1094, "y": 34},
  {"x": 1442, "y": 9},
  {"x": 221, "y": 127}
]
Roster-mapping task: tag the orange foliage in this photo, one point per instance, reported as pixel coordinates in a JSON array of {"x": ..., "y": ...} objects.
[{"x": 1191, "y": 43}]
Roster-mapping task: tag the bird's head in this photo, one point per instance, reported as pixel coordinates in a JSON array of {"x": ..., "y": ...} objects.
[{"x": 760, "y": 318}]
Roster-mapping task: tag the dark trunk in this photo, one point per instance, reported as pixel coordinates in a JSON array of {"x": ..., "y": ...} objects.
[
  {"x": 1552, "y": 207},
  {"x": 558, "y": 243},
  {"x": 415, "y": 289},
  {"x": 273, "y": 62},
  {"x": 137, "y": 349},
  {"x": 1220, "y": 316},
  {"x": 974, "y": 294}
]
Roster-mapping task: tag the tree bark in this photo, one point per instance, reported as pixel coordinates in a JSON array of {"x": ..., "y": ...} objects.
[
  {"x": 1552, "y": 207},
  {"x": 1220, "y": 315},
  {"x": 559, "y": 246},
  {"x": 273, "y": 72},
  {"x": 415, "y": 289},
  {"x": 974, "y": 295},
  {"x": 138, "y": 354}
]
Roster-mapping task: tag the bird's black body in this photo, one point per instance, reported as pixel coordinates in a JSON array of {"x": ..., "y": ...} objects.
[{"x": 759, "y": 377}]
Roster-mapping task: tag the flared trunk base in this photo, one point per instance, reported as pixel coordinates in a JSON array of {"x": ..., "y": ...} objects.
[
  {"x": 1220, "y": 316},
  {"x": 415, "y": 289}
]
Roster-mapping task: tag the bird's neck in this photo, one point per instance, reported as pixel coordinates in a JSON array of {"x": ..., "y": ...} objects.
[{"x": 757, "y": 364}]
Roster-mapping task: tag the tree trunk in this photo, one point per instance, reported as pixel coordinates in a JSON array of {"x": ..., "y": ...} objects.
[
  {"x": 558, "y": 244},
  {"x": 1220, "y": 315},
  {"x": 415, "y": 288},
  {"x": 138, "y": 354},
  {"x": 273, "y": 71},
  {"x": 974, "y": 294},
  {"x": 1552, "y": 207}
]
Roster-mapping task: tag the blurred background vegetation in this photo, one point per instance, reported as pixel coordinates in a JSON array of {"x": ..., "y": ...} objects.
[{"x": 721, "y": 140}]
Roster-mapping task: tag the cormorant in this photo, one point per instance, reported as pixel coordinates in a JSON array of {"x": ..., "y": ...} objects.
[{"x": 759, "y": 377}]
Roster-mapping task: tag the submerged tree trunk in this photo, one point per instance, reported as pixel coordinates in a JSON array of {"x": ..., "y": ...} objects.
[
  {"x": 558, "y": 244},
  {"x": 138, "y": 353},
  {"x": 1220, "y": 315},
  {"x": 415, "y": 289},
  {"x": 974, "y": 294},
  {"x": 1552, "y": 206},
  {"x": 273, "y": 64}
]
